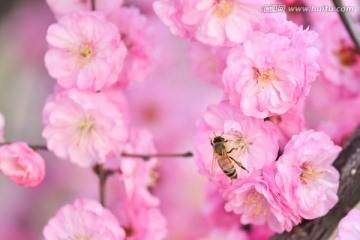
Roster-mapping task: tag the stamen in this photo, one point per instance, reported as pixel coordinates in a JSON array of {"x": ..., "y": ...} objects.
[
  {"x": 224, "y": 8},
  {"x": 255, "y": 204},
  {"x": 308, "y": 174},
  {"x": 85, "y": 53},
  {"x": 264, "y": 77}
]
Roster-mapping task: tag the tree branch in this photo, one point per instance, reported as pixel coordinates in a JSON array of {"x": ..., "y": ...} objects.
[
  {"x": 348, "y": 164},
  {"x": 146, "y": 157},
  {"x": 93, "y": 5},
  {"x": 350, "y": 25}
]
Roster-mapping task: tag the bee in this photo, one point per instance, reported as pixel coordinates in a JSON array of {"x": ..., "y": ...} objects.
[{"x": 224, "y": 161}]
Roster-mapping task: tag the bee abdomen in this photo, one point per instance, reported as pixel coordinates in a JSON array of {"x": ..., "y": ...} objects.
[{"x": 231, "y": 173}]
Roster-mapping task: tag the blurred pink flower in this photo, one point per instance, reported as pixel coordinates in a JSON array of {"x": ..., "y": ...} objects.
[
  {"x": 260, "y": 232},
  {"x": 139, "y": 214},
  {"x": 254, "y": 141},
  {"x": 270, "y": 73},
  {"x": 213, "y": 22},
  {"x": 306, "y": 175},
  {"x": 2, "y": 125},
  {"x": 85, "y": 51},
  {"x": 85, "y": 219},
  {"x": 65, "y": 7},
  {"x": 135, "y": 172},
  {"x": 260, "y": 201},
  {"x": 137, "y": 34},
  {"x": 21, "y": 164},
  {"x": 146, "y": 6},
  {"x": 231, "y": 233},
  {"x": 84, "y": 127},
  {"x": 290, "y": 123},
  {"x": 338, "y": 58},
  {"x": 214, "y": 210},
  {"x": 208, "y": 63},
  {"x": 349, "y": 226},
  {"x": 337, "y": 121}
]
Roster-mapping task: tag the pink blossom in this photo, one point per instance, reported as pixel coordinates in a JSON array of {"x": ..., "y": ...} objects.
[
  {"x": 85, "y": 219},
  {"x": 213, "y": 22},
  {"x": 306, "y": 175},
  {"x": 349, "y": 226},
  {"x": 137, "y": 34},
  {"x": 22, "y": 164},
  {"x": 2, "y": 124},
  {"x": 338, "y": 58},
  {"x": 270, "y": 73},
  {"x": 85, "y": 51},
  {"x": 254, "y": 142},
  {"x": 208, "y": 63},
  {"x": 260, "y": 201},
  {"x": 65, "y": 7},
  {"x": 84, "y": 127}
]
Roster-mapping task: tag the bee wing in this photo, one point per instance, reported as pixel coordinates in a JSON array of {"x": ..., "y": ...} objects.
[{"x": 214, "y": 168}]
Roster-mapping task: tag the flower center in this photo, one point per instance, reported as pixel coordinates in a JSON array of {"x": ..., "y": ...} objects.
[
  {"x": 224, "y": 8},
  {"x": 308, "y": 173},
  {"x": 85, "y": 53},
  {"x": 264, "y": 77},
  {"x": 238, "y": 144},
  {"x": 256, "y": 204},
  {"x": 86, "y": 126},
  {"x": 346, "y": 55},
  {"x": 78, "y": 236}
]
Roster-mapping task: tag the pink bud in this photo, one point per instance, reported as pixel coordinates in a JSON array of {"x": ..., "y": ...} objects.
[{"x": 22, "y": 164}]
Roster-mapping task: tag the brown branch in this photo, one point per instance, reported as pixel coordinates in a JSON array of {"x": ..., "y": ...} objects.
[
  {"x": 148, "y": 156},
  {"x": 348, "y": 164},
  {"x": 33, "y": 146},
  {"x": 350, "y": 25},
  {"x": 93, "y": 5},
  {"x": 99, "y": 170}
]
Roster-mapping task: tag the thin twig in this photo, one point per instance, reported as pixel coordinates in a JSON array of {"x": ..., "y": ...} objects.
[
  {"x": 33, "y": 146},
  {"x": 99, "y": 170},
  {"x": 93, "y": 5},
  {"x": 350, "y": 25},
  {"x": 148, "y": 156}
]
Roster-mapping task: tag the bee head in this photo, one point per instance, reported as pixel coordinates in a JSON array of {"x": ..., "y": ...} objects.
[{"x": 218, "y": 139}]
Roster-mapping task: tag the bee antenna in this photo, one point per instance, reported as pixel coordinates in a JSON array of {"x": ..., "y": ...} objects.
[
  {"x": 214, "y": 133},
  {"x": 222, "y": 134}
]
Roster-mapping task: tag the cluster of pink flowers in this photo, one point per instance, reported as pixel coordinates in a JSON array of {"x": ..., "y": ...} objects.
[
  {"x": 94, "y": 56},
  {"x": 254, "y": 146}
]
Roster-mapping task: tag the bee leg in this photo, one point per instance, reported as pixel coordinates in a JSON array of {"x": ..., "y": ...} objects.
[
  {"x": 231, "y": 150},
  {"x": 239, "y": 164}
]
